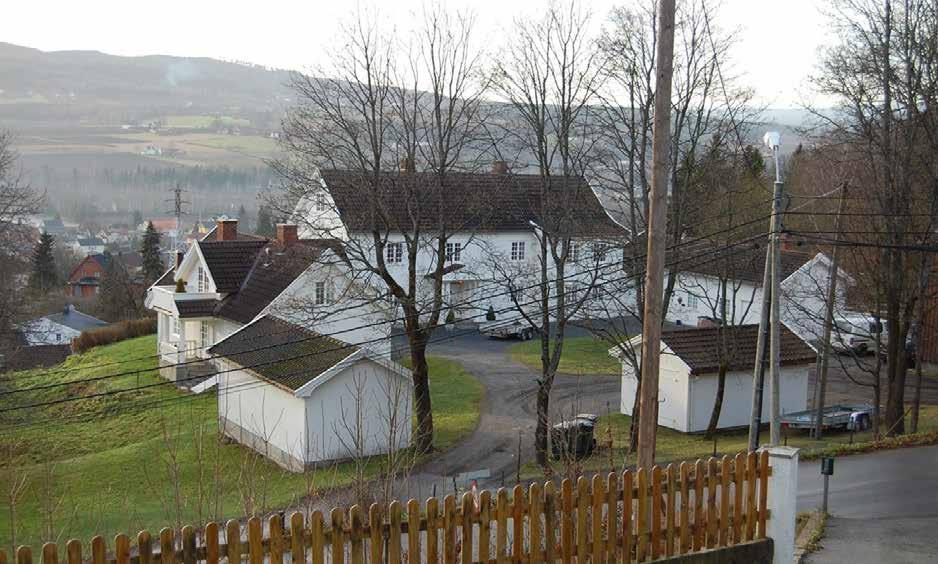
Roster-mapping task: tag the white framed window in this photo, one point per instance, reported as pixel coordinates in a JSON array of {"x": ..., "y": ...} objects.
[
  {"x": 323, "y": 293},
  {"x": 202, "y": 280},
  {"x": 321, "y": 203},
  {"x": 394, "y": 253},
  {"x": 599, "y": 252},
  {"x": 574, "y": 251},
  {"x": 453, "y": 252},
  {"x": 176, "y": 326},
  {"x": 205, "y": 334},
  {"x": 691, "y": 300},
  {"x": 517, "y": 250}
]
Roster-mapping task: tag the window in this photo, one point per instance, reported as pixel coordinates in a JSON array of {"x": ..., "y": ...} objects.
[
  {"x": 574, "y": 251},
  {"x": 323, "y": 293},
  {"x": 517, "y": 250},
  {"x": 394, "y": 253},
  {"x": 321, "y": 204},
  {"x": 453, "y": 251},
  {"x": 202, "y": 284},
  {"x": 599, "y": 252},
  {"x": 691, "y": 300},
  {"x": 58, "y": 336},
  {"x": 204, "y": 334},
  {"x": 176, "y": 327}
]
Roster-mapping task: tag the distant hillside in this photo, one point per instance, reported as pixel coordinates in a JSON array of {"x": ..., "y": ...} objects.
[{"x": 52, "y": 87}]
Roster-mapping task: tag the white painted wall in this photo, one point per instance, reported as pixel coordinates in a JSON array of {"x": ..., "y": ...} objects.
[
  {"x": 804, "y": 298},
  {"x": 44, "y": 331},
  {"x": 696, "y": 295},
  {"x": 673, "y": 389}
]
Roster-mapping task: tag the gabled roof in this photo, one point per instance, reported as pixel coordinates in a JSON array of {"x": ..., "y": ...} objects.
[
  {"x": 196, "y": 308},
  {"x": 75, "y": 319},
  {"x": 230, "y": 261},
  {"x": 283, "y": 353},
  {"x": 470, "y": 201},
  {"x": 699, "y": 347},
  {"x": 90, "y": 242}
]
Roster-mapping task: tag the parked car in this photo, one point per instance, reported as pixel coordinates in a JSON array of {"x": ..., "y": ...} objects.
[{"x": 856, "y": 333}]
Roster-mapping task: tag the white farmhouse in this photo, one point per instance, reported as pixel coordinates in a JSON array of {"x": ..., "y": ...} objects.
[
  {"x": 301, "y": 399},
  {"x": 491, "y": 222},
  {"x": 58, "y": 328},
  {"x": 690, "y": 363}
]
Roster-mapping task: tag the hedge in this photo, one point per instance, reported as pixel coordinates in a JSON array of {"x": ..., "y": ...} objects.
[{"x": 113, "y": 333}]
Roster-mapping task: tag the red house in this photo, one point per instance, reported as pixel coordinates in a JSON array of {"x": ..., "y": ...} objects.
[{"x": 85, "y": 279}]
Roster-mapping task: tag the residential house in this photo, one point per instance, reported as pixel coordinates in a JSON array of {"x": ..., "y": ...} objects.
[
  {"x": 54, "y": 227},
  {"x": 58, "y": 328},
  {"x": 688, "y": 375},
  {"x": 301, "y": 398},
  {"x": 492, "y": 247},
  {"x": 85, "y": 279},
  {"x": 165, "y": 226}
]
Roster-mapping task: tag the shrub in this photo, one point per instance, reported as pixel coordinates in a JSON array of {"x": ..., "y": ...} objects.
[
  {"x": 450, "y": 316},
  {"x": 180, "y": 286},
  {"x": 114, "y": 333},
  {"x": 490, "y": 314}
]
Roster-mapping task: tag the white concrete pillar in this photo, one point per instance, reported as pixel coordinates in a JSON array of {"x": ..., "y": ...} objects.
[
  {"x": 782, "y": 499},
  {"x": 181, "y": 344}
]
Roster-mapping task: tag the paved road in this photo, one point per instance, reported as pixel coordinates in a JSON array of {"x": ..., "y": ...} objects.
[{"x": 884, "y": 507}]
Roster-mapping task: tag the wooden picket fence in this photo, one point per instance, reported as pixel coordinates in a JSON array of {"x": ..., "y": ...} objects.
[{"x": 632, "y": 516}]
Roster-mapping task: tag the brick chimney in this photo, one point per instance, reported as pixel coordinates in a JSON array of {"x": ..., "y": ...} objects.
[
  {"x": 287, "y": 233},
  {"x": 499, "y": 167},
  {"x": 407, "y": 165},
  {"x": 178, "y": 259},
  {"x": 227, "y": 230}
]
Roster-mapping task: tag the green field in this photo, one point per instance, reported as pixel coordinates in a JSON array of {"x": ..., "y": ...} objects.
[
  {"x": 107, "y": 465},
  {"x": 202, "y": 122},
  {"x": 581, "y": 355}
]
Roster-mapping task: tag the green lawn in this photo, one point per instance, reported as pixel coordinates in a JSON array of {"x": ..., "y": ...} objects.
[
  {"x": 113, "y": 473},
  {"x": 581, "y": 355},
  {"x": 201, "y": 122},
  {"x": 673, "y": 446}
]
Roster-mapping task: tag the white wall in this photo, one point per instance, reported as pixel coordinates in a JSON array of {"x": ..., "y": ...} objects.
[
  {"x": 804, "y": 298},
  {"x": 744, "y": 300},
  {"x": 737, "y": 397},
  {"x": 672, "y": 390},
  {"x": 267, "y": 413},
  {"x": 357, "y": 411},
  {"x": 44, "y": 331}
]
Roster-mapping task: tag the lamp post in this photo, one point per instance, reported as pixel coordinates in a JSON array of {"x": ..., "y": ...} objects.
[{"x": 773, "y": 140}]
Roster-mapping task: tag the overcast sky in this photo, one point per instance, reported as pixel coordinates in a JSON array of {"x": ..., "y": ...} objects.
[{"x": 777, "y": 47}]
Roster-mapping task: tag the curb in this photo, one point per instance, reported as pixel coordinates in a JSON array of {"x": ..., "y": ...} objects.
[{"x": 803, "y": 541}]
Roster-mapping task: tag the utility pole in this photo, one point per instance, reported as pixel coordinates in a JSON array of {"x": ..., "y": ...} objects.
[
  {"x": 657, "y": 237},
  {"x": 758, "y": 375},
  {"x": 821, "y": 385},
  {"x": 773, "y": 140},
  {"x": 177, "y": 212}
]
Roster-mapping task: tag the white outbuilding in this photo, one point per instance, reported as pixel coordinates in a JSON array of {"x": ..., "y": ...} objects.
[
  {"x": 301, "y": 399},
  {"x": 688, "y": 377}
]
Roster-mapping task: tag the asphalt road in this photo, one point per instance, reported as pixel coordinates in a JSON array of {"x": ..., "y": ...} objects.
[{"x": 884, "y": 507}]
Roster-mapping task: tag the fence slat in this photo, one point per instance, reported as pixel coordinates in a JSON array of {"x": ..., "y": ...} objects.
[
  {"x": 188, "y": 544},
  {"x": 501, "y": 526},
  {"x": 739, "y": 472},
  {"x": 413, "y": 532},
  {"x": 394, "y": 532},
  {"x": 24, "y": 555},
  {"x": 671, "y": 509},
  {"x": 144, "y": 549},
  {"x": 550, "y": 522},
  {"x": 535, "y": 503},
  {"x": 751, "y": 496},
  {"x": 121, "y": 549},
  {"x": 275, "y": 525},
  {"x": 485, "y": 530},
  {"x": 167, "y": 548},
  {"x": 212, "y": 553},
  {"x": 50, "y": 553},
  {"x": 255, "y": 541},
  {"x": 627, "y": 516},
  {"x": 566, "y": 521},
  {"x": 699, "y": 525},
  {"x": 337, "y": 532},
  {"x": 612, "y": 524},
  {"x": 763, "y": 492},
  {"x": 317, "y": 539},
  {"x": 358, "y": 533},
  {"x": 596, "y": 517},
  {"x": 517, "y": 522},
  {"x": 684, "y": 540},
  {"x": 3, "y": 557},
  {"x": 449, "y": 529},
  {"x": 466, "y": 533},
  {"x": 641, "y": 521},
  {"x": 582, "y": 511},
  {"x": 233, "y": 540},
  {"x": 73, "y": 549},
  {"x": 433, "y": 550},
  {"x": 655, "y": 512},
  {"x": 99, "y": 549},
  {"x": 712, "y": 517},
  {"x": 724, "y": 500}
]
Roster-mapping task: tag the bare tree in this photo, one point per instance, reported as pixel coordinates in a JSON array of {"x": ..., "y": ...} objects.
[{"x": 396, "y": 121}]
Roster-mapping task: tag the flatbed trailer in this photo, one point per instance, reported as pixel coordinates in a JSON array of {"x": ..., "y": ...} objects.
[
  {"x": 507, "y": 329},
  {"x": 841, "y": 416}
]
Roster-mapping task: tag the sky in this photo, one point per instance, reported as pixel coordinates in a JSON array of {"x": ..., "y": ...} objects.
[{"x": 776, "y": 52}]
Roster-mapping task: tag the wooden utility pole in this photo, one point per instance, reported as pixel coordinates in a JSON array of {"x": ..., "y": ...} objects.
[
  {"x": 821, "y": 385},
  {"x": 758, "y": 374},
  {"x": 657, "y": 237},
  {"x": 775, "y": 341}
]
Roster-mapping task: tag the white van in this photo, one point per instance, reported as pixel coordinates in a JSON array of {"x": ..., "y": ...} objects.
[{"x": 856, "y": 333}]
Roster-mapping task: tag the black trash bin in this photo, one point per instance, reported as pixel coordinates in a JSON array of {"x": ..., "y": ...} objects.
[{"x": 574, "y": 438}]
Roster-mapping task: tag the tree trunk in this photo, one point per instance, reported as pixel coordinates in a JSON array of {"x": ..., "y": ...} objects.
[
  {"x": 543, "y": 420},
  {"x": 877, "y": 378},
  {"x": 423, "y": 438},
  {"x": 895, "y": 373},
  {"x": 633, "y": 427},
  {"x": 717, "y": 403}
]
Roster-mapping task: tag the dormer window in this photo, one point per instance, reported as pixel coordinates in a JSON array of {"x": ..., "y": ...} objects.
[
  {"x": 394, "y": 253},
  {"x": 323, "y": 293},
  {"x": 453, "y": 252},
  {"x": 201, "y": 280},
  {"x": 321, "y": 203},
  {"x": 517, "y": 250}
]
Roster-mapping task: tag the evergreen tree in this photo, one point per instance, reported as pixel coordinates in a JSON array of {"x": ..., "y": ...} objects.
[
  {"x": 138, "y": 219},
  {"x": 242, "y": 214},
  {"x": 265, "y": 223},
  {"x": 119, "y": 297},
  {"x": 150, "y": 249},
  {"x": 44, "y": 277}
]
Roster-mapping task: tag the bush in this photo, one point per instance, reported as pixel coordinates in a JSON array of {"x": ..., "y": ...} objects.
[
  {"x": 114, "y": 333},
  {"x": 490, "y": 314},
  {"x": 450, "y": 316},
  {"x": 180, "y": 286}
]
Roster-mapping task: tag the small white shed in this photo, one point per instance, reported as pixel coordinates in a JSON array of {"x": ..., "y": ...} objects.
[
  {"x": 687, "y": 381},
  {"x": 301, "y": 398}
]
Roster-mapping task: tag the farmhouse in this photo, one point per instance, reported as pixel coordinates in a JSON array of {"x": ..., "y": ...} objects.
[
  {"x": 58, "y": 328},
  {"x": 690, "y": 365},
  {"x": 300, "y": 398}
]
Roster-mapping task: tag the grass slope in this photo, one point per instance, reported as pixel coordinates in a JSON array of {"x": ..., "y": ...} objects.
[
  {"x": 112, "y": 473},
  {"x": 581, "y": 355}
]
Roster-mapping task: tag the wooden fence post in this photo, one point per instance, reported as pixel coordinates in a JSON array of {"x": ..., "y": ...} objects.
[
  {"x": 739, "y": 474},
  {"x": 413, "y": 532},
  {"x": 394, "y": 532},
  {"x": 338, "y": 535},
  {"x": 50, "y": 553},
  {"x": 566, "y": 521},
  {"x": 501, "y": 526},
  {"x": 466, "y": 533},
  {"x": 699, "y": 525},
  {"x": 671, "y": 517},
  {"x": 596, "y": 515},
  {"x": 255, "y": 541},
  {"x": 655, "y": 512},
  {"x": 358, "y": 533},
  {"x": 641, "y": 520},
  {"x": 144, "y": 549},
  {"x": 684, "y": 541},
  {"x": 724, "y": 500},
  {"x": 550, "y": 522},
  {"x": 212, "y": 549},
  {"x": 122, "y": 549},
  {"x": 627, "y": 516},
  {"x": 433, "y": 538},
  {"x": 188, "y": 544},
  {"x": 712, "y": 517},
  {"x": 99, "y": 551},
  {"x": 73, "y": 549},
  {"x": 24, "y": 555},
  {"x": 317, "y": 538},
  {"x": 582, "y": 510},
  {"x": 535, "y": 508},
  {"x": 233, "y": 539},
  {"x": 275, "y": 526}
]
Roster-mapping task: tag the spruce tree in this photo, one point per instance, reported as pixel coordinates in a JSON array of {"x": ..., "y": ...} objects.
[
  {"x": 44, "y": 277},
  {"x": 265, "y": 223},
  {"x": 150, "y": 249}
]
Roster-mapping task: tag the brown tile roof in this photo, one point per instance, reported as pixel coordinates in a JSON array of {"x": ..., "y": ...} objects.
[
  {"x": 283, "y": 353},
  {"x": 270, "y": 276},
  {"x": 471, "y": 202},
  {"x": 210, "y": 235},
  {"x": 196, "y": 308},
  {"x": 699, "y": 347},
  {"x": 230, "y": 261},
  {"x": 167, "y": 278}
]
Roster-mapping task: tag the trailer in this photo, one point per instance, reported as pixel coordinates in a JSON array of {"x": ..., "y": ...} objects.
[
  {"x": 507, "y": 329},
  {"x": 846, "y": 417}
]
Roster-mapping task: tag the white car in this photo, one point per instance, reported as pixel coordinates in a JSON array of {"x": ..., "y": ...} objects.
[{"x": 856, "y": 333}]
